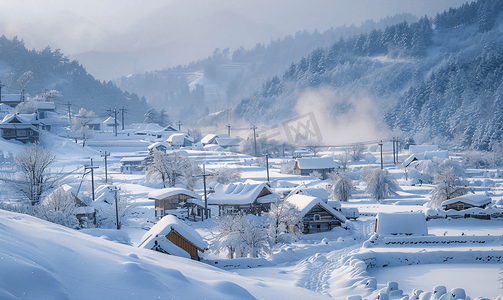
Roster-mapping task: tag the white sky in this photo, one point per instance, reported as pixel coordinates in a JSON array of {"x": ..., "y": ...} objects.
[{"x": 185, "y": 30}]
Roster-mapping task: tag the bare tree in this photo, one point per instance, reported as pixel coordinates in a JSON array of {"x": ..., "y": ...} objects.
[
  {"x": 449, "y": 186},
  {"x": 342, "y": 186},
  {"x": 34, "y": 171},
  {"x": 380, "y": 183}
]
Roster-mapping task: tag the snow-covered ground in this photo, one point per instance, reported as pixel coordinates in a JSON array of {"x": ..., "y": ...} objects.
[{"x": 39, "y": 259}]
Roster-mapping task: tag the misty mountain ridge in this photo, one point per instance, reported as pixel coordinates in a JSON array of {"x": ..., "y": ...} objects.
[{"x": 436, "y": 79}]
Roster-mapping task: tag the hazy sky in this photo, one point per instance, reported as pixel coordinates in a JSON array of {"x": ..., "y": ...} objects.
[{"x": 163, "y": 33}]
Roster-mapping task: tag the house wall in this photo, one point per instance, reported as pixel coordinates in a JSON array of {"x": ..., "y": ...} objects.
[
  {"x": 319, "y": 220},
  {"x": 168, "y": 203},
  {"x": 181, "y": 242}
]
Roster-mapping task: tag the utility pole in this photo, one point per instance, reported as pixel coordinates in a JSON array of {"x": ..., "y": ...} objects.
[
  {"x": 106, "y": 173},
  {"x": 69, "y": 113},
  {"x": 394, "y": 160},
  {"x": 123, "y": 111},
  {"x": 229, "y": 130},
  {"x": 179, "y": 125},
  {"x": 1, "y": 85},
  {"x": 115, "y": 189},
  {"x": 397, "y": 149},
  {"x": 91, "y": 167},
  {"x": 267, "y": 164},
  {"x": 204, "y": 175},
  {"x": 114, "y": 111},
  {"x": 380, "y": 144},
  {"x": 254, "y": 139}
]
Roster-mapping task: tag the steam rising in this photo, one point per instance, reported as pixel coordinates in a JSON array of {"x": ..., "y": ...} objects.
[{"x": 343, "y": 117}]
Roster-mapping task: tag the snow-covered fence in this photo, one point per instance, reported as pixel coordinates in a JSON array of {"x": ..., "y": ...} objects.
[{"x": 421, "y": 241}]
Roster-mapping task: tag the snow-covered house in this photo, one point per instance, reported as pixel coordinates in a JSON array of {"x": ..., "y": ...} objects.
[
  {"x": 172, "y": 236},
  {"x": 109, "y": 123},
  {"x": 222, "y": 140},
  {"x": 322, "y": 165},
  {"x": 427, "y": 155},
  {"x": 44, "y": 107},
  {"x": 5, "y": 110},
  {"x": 11, "y": 99},
  {"x": 180, "y": 139},
  {"x": 317, "y": 192},
  {"x": 21, "y": 127},
  {"x": 130, "y": 164},
  {"x": 401, "y": 223},
  {"x": 317, "y": 216},
  {"x": 467, "y": 201},
  {"x": 159, "y": 146},
  {"x": 253, "y": 198},
  {"x": 170, "y": 198}
]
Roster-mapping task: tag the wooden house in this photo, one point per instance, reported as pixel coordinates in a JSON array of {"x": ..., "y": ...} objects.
[
  {"x": 307, "y": 166},
  {"x": 250, "y": 198},
  {"x": 317, "y": 216},
  {"x": 22, "y": 127},
  {"x": 467, "y": 201},
  {"x": 172, "y": 236},
  {"x": 169, "y": 199},
  {"x": 159, "y": 146},
  {"x": 130, "y": 164}
]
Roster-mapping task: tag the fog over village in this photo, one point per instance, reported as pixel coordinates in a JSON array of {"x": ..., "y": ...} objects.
[{"x": 251, "y": 150}]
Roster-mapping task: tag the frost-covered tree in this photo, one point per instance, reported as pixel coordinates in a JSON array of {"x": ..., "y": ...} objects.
[
  {"x": 106, "y": 215},
  {"x": 226, "y": 175},
  {"x": 341, "y": 186},
  {"x": 34, "y": 177},
  {"x": 449, "y": 185},
  {"x": 58, "y": 208},
  {"x": 242, "y": 237},
  {"x": 380, "y": 183},
  {"x": 284, "y": 220},
  {"x": 81, "y": 124},
  {"x": 356, "y": 152},
  {"x": 170, "y": 169}
]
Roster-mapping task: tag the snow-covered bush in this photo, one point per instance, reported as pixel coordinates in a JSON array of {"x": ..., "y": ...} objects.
[
  {"x": 58, "y": 208},
  {"x": 242, "y": 237},
  {"x": 380, "y": 183},
  {"x": 341, "y": 186},
  {"x": 285, "y": 221},
  {"x": 287, "y": 167}
]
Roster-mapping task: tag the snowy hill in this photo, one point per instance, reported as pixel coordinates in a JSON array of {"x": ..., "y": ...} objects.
[{"x": 41, "y": 260}]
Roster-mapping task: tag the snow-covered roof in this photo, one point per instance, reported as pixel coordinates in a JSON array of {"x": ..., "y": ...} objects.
[
  {"x": 316, "y": 163},
  {"x": 157, "y": 144},
  {"x": 306, "y": 203},
  {"x": 178, "y": 138},
  {"x": 242, "y": 194},
  {"x": 422, "y": 148},
  {"x": 45, "y": 105},
  {"x": 165, "y": 226},
  {"x": 228, "y": 142},
  {"x": 438, "y": 153},
  {"x": 23, "y": 118},
  {"x": 11, "y": 98},
  {"x": 413, "y": 157},
  {"x": 110, "y": 121},
  {"x": 401, "y": 223},
  {"x": 5, "y": 107},
  {"x": 164, "y": 193},
  {"x": 133, "y": 158},
  {"x": 472, "y": 199}
]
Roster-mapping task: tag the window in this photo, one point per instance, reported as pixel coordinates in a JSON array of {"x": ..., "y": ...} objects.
[{"x": 317, "y": 217}]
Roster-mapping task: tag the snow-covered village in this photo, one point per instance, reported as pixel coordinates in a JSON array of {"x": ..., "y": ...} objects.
[{"x": 359, "y": 156}]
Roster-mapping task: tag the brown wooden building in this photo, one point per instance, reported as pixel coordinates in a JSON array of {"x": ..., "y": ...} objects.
[
  {"x": 172, "y": 236},
  {"x": 169, "y": 199},
  {"x": 317, "y": 216}
]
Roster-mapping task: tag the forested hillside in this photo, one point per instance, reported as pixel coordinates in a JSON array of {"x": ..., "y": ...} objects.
[
  {"x": 34, "y": 71},
  {"x": 169, "y": 89},
  {"x": 438, "y": 77}
]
